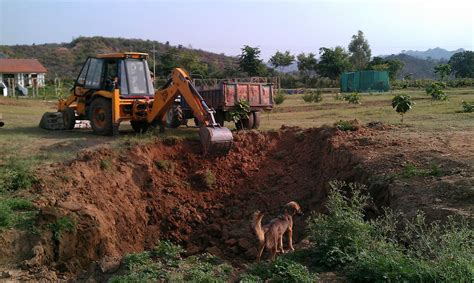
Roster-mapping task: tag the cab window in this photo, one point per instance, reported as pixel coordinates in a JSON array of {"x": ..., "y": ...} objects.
[
  {"x": 94, "y": 74},
  {"x": 82, "y": 76}
]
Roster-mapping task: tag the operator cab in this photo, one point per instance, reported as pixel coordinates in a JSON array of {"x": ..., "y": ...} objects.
[{"x": 127, "y": 72}]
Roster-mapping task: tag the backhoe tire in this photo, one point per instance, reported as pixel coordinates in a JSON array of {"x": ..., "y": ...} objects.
[
  {"x": 101, "y": 116},
  {"x": 256, "y": 119},
  {"x": 69, "y": 118},
  {"x": 140, "y": 127},
  {"x": 174, "y": 116}
]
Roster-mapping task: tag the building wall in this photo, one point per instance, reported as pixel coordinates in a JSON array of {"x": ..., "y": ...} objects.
[{"x": 20, "y": 78}]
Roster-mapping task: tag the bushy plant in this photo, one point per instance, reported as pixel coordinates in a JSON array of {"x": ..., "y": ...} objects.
[
  {"x": 345, "y": 125},
  {"x": 239, "y": 112},
  {"x": 280, "y": 270},
  {"x": 168, "y": 251},
  {"x": 6, "y": 215},
  {"x": 16, "y": 176},
  {"x": 375, "y": 251},
  {"x": 402, "y": 104},
  {"x": 467, "y": 107},
  {"x": 280, "y": 97},
  {"x": 312, "y": 96},
  {"x": 63, "y": 224},
  {"x": 353, "y": 98},
  {"x": 436, "y": 91}
]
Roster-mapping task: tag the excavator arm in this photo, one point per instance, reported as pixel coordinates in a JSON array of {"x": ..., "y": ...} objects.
[{"x": 214, "y": 138}]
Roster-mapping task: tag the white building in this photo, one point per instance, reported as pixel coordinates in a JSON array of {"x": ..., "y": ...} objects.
[{"x": 23, "y": 72}]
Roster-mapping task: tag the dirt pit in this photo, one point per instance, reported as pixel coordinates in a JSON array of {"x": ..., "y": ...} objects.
[{"x": 127, "y": 201}]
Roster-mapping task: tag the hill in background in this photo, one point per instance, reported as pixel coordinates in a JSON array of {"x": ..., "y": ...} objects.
[
  {"x": 65, "y": 59},
  {"x": 435, "y": 53}
]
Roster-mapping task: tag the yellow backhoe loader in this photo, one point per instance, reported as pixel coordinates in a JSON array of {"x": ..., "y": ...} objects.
[{"x": 112, "y": 88}]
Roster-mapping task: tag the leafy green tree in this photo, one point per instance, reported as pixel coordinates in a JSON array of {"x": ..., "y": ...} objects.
[
  {"x": 443, "y": 70},
  {"x": 306, "y": 63},
  {"x": 462, "y": 64},
  {"x": 250, "y": 62},
  {"x": 402, "y": 104},
  {"x": 191, "y": 63},
  {"x": 333, "y": 62},
  {"x": 168, "y": 61},
  {"x": 359, "y": 50},
  {"x": 436, "y": 91},
  {"x": 392, "y": 66},
  {"x": 281, "y": 60}
]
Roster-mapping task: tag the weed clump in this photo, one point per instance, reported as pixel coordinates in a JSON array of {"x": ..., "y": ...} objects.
[
  {"x": 205, "y": 178},
  {"x": 105, "y": 164},
  {"x": 352, "y": 98},
  {"x": 164, "y": 165},
  {"x": 373, "y": 251},
  {"x": 312, "y": 96},
  {"x": 64, "y": 224},
  {"x": 467, "y": 107},
  {"x": 165, "y": 263},
  {"x": 279, "y": 98},
  {"x": 346, "y": 125},
  {"x": 16, "y": 176},
  {"x": 280, "y": 270}
]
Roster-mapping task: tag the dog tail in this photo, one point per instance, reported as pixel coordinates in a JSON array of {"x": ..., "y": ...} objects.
[{"x": 257, "y": 226}]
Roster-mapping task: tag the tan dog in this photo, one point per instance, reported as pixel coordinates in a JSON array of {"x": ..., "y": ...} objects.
[{"x": 271, "y": 234}]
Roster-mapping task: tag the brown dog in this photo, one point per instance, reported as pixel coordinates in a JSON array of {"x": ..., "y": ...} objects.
[{"x": 271, "y": 234}]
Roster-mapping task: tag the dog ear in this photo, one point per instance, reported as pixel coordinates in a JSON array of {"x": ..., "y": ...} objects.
[{"x": 291, "y": 207}]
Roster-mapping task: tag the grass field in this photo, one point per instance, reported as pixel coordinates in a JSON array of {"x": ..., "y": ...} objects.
[{"x": 21, "y": 138}]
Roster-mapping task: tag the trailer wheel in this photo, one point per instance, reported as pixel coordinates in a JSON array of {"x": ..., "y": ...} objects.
[
  {"x": 140, "y": 127},
  {"x": 245, "y": 123},
  {"x": 256, "y": 119},
  {"x": 69, "y": 118},
  {"x": 174, "y": 116},
  {"x": 101, "y": 116}
]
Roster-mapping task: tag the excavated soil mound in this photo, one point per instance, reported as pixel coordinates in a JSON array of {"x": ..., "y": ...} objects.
[{"x": 126, "y": 201}]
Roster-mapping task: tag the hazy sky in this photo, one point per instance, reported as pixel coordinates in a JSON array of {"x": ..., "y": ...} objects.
[{"x": 225, "y": 26}]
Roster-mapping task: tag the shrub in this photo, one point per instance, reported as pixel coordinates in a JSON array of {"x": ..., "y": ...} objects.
[
  {"x": 402, "y": 104},
  {"x": 342, "y": 234},
  {"x": 105, "y": 164},
  {"x": 280, "y": 270},
  {"x": 467, "y": 107},
  {"x": 18, "y": 204},
  {"x": 353, "y": 98},
  {"x": 436, "y": 91},
  {"x": 374, "y": 251},
  {"x": 279, "y": 98},
  {"x": 312, "y": 96},
  {"x": 345, "y": 125},
  {"x": 64, "y": 224},
  {"x": 16, "y": 176},
  {"x": 164, "y": 165},
  {"x": 168, "y": 251},
  {"x": 6, "y": 215}
]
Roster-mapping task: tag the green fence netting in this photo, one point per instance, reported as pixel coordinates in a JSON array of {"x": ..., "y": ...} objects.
[{"x": 364, "y": 81}]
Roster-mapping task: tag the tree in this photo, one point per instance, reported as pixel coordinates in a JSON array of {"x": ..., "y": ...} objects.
[
  {"x": 332, "y": 62},
  {"x": 191, "y": 63},
  {"x": 168, "y": 61},
  {"x": 402, "y": 104},
  {"x": 281, "y": 60},
  {"x": 360, "y": 52},
  {"x": 443, "y": 70},
  {"x": 392, "y": 66},
  {"x": 250, "y": 62},
  {"x": 306, "y": 63},
  {"x": 462, "y": 64}
]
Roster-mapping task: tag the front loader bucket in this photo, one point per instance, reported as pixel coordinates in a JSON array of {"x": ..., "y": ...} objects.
[
  {"x": 215, "y": 140},
  {"x": 52, "y": 121}
]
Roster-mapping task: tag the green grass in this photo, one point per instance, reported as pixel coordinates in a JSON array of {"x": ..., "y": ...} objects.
[
  {"x": 425, "y": 115},
  {"x": 165, "y": 263}
]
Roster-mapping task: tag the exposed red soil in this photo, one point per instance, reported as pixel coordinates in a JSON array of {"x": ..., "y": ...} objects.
[{"x": 125, "y": 202}]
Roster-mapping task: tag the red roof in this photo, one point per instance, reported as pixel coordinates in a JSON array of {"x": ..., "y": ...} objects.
[{"x": 21, "y": 66}]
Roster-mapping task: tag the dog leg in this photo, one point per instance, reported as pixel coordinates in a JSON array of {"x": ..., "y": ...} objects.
[
  {"x": 290, "y": 239},
  {"x": 261, "y": 247},
  {"x": 274, "y": 250},
  {"x": 281, "y": 244}
]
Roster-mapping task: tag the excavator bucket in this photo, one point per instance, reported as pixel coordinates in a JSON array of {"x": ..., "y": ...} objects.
[
  {"x": 52, "y": 121},
  {"x": 215, "y": 140}
]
